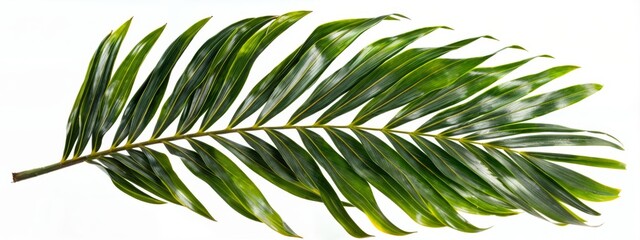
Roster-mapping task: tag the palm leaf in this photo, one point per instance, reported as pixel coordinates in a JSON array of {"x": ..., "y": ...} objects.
[{"x": 466, "y": 155}]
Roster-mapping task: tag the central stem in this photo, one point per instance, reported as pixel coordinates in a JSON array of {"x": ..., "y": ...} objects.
[{"x": 19, "y": 176}]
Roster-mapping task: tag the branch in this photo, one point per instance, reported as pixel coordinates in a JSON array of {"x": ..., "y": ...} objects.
[{"x": 23, "y": 175}]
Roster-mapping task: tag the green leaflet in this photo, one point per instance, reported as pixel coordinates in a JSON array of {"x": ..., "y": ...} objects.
[
  {"x": 264, "y": 89},
  {"x": 73, "y": 123},
  {"x": 312, "y": 63},
  {"x": 511, "y": 189},
  {"x": 553, "y": 140},
  {"x": 551, "y": 186},
  {"x": 459, "y": 197},
  {"x": 145, "y": 102},
  {"x": 273, "y": 159},
  {"x": 128, "y": 188},
  {"x": 258, "y": 164},
  {"x": 309, "y": 173},
  {"x": 559, "y": 193},
  {"x": 120, "y": 165},
  {"x": 220, "y": 172},
  {"x": 84, "y": 113},
  {"x": 576, "y": 183},
  {"x": 538, "y": 200},
  {"x": 524, "y": 128},
  {"x": 387, "y": 74},
  {"x": 253, "y": 198},
  {"x": 527, "y": 108},
  {"x": 236, "y": 74},
  {"x": 352, "y": 186},
  {"x": 393, "y": 164},
  {"x": 467, "y": 85},
  {"x": 422, "y": 80},
  {"x": 456, "y": 169},
  {"x": 577, "y": 159},
  {"x": 89, "y": 110},
  {"x": 202, "y": 68},
  {"x": 229, "y": 193},
  {"x": 358, "y": 67},
  {"x": 162, "y": 168},
  {"x": 493, "y": 98},
  {"x": 119, "y": 88},
  {"x": 357, "y": 158}
]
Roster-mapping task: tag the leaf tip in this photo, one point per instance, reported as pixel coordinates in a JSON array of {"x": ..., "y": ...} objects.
[
  {"x": 544, "y": 56},
  {"x": 399, "y": 16},
  {"x": 515, "y": 47},
  {"x": 489, "y": 37},
  {"x": 444, "y": 27},
  {"x": 571, "y": 67}
]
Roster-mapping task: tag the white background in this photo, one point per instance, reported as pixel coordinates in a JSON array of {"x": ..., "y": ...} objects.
[{"x": 45, "y": 48}]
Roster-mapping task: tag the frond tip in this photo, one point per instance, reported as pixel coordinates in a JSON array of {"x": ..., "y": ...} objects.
[{"x": 466, "y": 155}]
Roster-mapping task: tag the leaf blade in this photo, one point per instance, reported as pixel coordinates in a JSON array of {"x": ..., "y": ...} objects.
[
  {"x": 311, "y": 65},
  {"x": 309, "y": 173},
  {"x": 386, "y": 75},
  {"x": 120, "y": 85},
  {"x": 352, "y": 186},
  {"x": 346, "y": 77},
  {"x": 245, "y": 59},
  {"x": 162, "y": 168},
  {"x": 494, "y": 98}
]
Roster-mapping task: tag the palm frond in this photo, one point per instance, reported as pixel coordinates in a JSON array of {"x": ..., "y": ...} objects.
[{"x": 466, "y": 156}]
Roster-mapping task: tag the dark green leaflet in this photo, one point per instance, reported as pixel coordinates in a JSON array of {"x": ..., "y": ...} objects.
[
  {"x": 535, "y": 193},
  {"x": 577, "y": 159},
  {"x": 553, "y": 140},
  {"x": 309, "y": 173},
  {"x": 89, "y": 110},
  {"x": 522, "y": 128},
  {"x": 147, "y": 99},
  {"x": 527, "y": 108},
  {"x": 259, "y": 165},
  {"x": 456, "y": 169},
  {"x": 358, "y": 67},
  {"x": 202, "y": 68},
  {"x": 128, "y": 188},
  {"x": 236, "y": 74},
  {"x": 352, "y": 186},
  {"x": 196, "y": 165},
  {"x": 393, "y": 164},
  {"x": 424, "y": 79},
  {"x": 576, "y": 183},
  {"x": 145, "y": 179},
  {"x": 553, "y": 188},
  {"x": 161, "y": 166},
  {"x": 84, "y": 112},
  {"x": 386, "y": 75},
  {"x": 253, "y": 198},
  {"x": 356, "y": 156},
  {"x": 119, "y": 88},
  {"x": 204, "y": 97},
  {"x": 469, "y": 84},
  {"x": 227, "y": 179},
  {"x": 493, "y": 98},
  {"x": 459, "y": 197},
  {"x": 259, "y": 95},
  {"x": 312, "y": 63},
  {"x": 511, "y": 189},
  {"x": 73, "y": 128}
]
